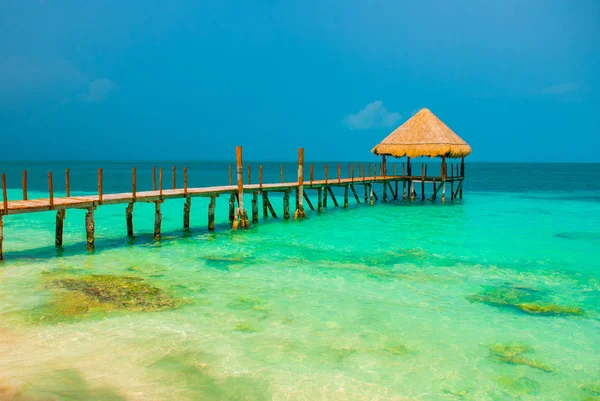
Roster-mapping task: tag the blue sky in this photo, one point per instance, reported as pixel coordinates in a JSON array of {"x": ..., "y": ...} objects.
[{"x": 151, "y": 80}]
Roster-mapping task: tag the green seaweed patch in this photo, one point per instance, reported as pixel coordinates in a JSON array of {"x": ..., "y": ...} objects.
[
  {"x": 397, "y": 350},
  {"x": 456, "y": 393},
  {"x": 245, "y": 328},
  {"x": 227, "y": 262},
  {"x": 525, "y": 300},
  {"x": 250, "y": 304},
  {"x": 593, "y": 389},
  {"x": 519, "y": 385},
  {"x": 515, "y": 354}
]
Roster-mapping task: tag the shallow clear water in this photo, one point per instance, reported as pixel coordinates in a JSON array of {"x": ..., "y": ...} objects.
[{"x": 378, "y": 302}]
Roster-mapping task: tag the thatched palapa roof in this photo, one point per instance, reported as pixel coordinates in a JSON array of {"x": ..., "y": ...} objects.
[{"x": 423, "y": 135}]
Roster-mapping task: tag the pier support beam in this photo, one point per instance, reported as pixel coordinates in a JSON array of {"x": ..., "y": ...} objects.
[
  {"x": 60, "y": 224},
  {"x": 186, "y": 212},
  {"x": 346, "y": 187},
  {"x": 320, "y": 199},
  {"x": 129, "y": 218},
  {"x": 325, "y": 196},
  {"x": 396, "y": 192},
  {"x": 384, "y": 191},
  {"x": 240, "y": 213},
  {"x": 366, "y": 187},
  {"x": 157, "y": 220},
  {"x": 307, "y": 199},
  {"x": 90, "y": 226},
  {"x": 211, "y": 213},
  {"x": 265, "y": 205},
  {"x": 299, "y": 213},
  {"x": 231, "y": 207},
  {"x": 1, "y": 236},
  {"x": 255, "y": 207},
  {"x": 286, "y": 205},
  {"x": 355, "y": 194},
  {"x": 333, "y": 198},
  {"x": 269, "y": 205}
]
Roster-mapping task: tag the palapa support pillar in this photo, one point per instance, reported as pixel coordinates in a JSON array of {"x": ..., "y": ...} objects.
[
  {"x": 396, "y": 186},
  {"x": 346, "y": 187},
  {"x": 211, "y": 213},
  {"x": 452, "y": 181},
  {"x": 320, "y": 199},
  {"x": 265, "y": 205},
  {"x": 186, "y": 212},
  {"x": 157, "y": 220},
  {"x": 371, "y": 194},
  {"x": 255, "y": 207},
  {"x": 240, "y": 215},
  {"x": 384, "y": 191},
  {"x": 60, "y": 224},
  {"x": 90, "y": 226},
  {"x": 423, "y": 182},
  {"x": 462, "y": 175},
  {"x": 286, "y": 205},
  {"x": 129, "y": 218},
  {"x": 443, "y": 179},
  {"x": 299, "y": 213}
]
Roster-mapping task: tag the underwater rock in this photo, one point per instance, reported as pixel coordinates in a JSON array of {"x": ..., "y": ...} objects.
[
  {"x": 227, "y": 263},
  {"x": 523, "y": 299},
  {"x": 457, "y": 393},
  {"x": 519, "y": 385},
  {"x": 593, "y": 389},
  {"x": 514, "y": 355},
  {"x": 250, "y": 303},
  {"x": 245, "y": 328},
  {"x": 397, "y": 350}
]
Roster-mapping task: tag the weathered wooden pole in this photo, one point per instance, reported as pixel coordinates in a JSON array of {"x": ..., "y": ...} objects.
[
  {"x": 312, "y": 173},
  {"x": 249, "y": 175},
  {"x": 1, "y": 236},
  {"x": 187, "y": 206},
  {"x": 230, "y": 176},
  {"x": 24, "y": 184},
  {"x": 211, "y": 213},
  {"x": 371, "y": 193},
  {"x": 157, "y": 220},
  {"x": 352, "y": 173},
  {"x": 153, "y": 178},
  {"x": 51, "y": 190},
  {"x": 129, "y": 218},
  {"x": 185, "y": 180},
  {"x": 299, "y": 213},
  {"x": 423, "y": 181},
  {"x": 346, "y": 187},
  {"x": 100, "y": 195},
  {"x": 325, "y": 187},
  {"x": 133, "y": 183},
  {"x": 90, "y": 226},
  {"x": 355, "y": 194},
  {"x": 60, "y": 223},
  {"x": 281, "y": 173},
  {"x": 4, "y": 194},
  {"x": 286, "y": 205},
  {"x": 408, "y": 166},
  {"x": 254, "y": 207},
  {"x": 174, "y": 178},
  {"x": 265, "y": 205},
  {"x": 231, "y": 207},
  {"x": 320, "y": 199},
  {"x": 68, "y": 182},
  {"x": 240, "y": 213},
  {"x": 260, "y": 176},
  {"x": 462, "y": 175},
  {"x": 383, "y": 166},
  {"x": 339, "y": 175},
  {"x": 160, "y": 183},
  {"x": 452, "y": 181},
  {"x": 366, "y": 188},
  {"x": 443, "y": 179},
  {"x": 403, "y": 183}
]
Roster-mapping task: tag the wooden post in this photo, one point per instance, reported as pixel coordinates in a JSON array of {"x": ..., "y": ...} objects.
[
  {"x": 157, "y": 219},
  {"x": 265, "y": 205},
  {"x": 339, "y": 174},
  {"x": 255, "y": 207},
  {"x": 153, "y": 178},
  {"x": 90, "y": 225},
  {"x": 346, "y": 187},
  {"x": 307, "y": 199},
  {"x": 241, "y": 213},
  {"x": 160, "y": 182},
  {"x": 325, "y": 187},
  {"x": 68, "y": 182},
  {"x": 452, "y": 181},
  {"x": 384, "y": 191},
  {"x": 211, "y": 213},
  {"x": 286, "y": 205},
  {"x": 60, "y": 223},
  {"x": 371, "y": 193},
  {"x": 51, "y": 190},
  {"x": 326, "y": 174},
  {"x": 232, "y": 207},
  {"x": 100, "y": 185},
  {"x": 333, "y": 198},
  {"x": 260, "y": 176},
  {"x": 443, "y": 179},
  {"x": 281, "y": 173},
  {"x": 366, "y": 188},
  {"x": 1, "y": 236},
  {"x": 383, "y": 166},
  {"x": 230, "y": 176},
  {"x": 299, "y": 213},
  {"x": 4, "y": 194},
  {"x": 129, "y": 218},
  {"x": 24, "y": 182},
  {"x": 133, "y": 183},
  {"x": 320, "y": 199},
  {"x": 312, "y": 172},
  {"x": 396, "y": 191},
  {"x": 249, "y": 175},
  {"x": 462, "y": 174},
  {"x": 187, "y": 206},
  {"x": 174, "y": 178},
  {"x": 266, "y": 199},
  {"x": 185, "y": 180},
  {"x": 352, "y": 173},
  {"x": 355, "y": 194},
  {"x": 423, "y": 181}
]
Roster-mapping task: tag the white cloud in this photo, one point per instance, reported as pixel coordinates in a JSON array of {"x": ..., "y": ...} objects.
[
  {"x": 561, "y": 88},
  {"x": 98, "y": 89},
  {"x": 373, "y": 115}
]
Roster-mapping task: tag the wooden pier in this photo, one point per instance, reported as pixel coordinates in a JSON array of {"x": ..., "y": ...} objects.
[{"x": 371, "y": 177}]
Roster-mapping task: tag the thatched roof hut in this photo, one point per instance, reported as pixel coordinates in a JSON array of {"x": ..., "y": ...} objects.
[{"x": 423, "y": 135}]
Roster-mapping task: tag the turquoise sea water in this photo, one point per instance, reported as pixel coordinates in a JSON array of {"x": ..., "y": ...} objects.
[{"x": 495, "y": 297}]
